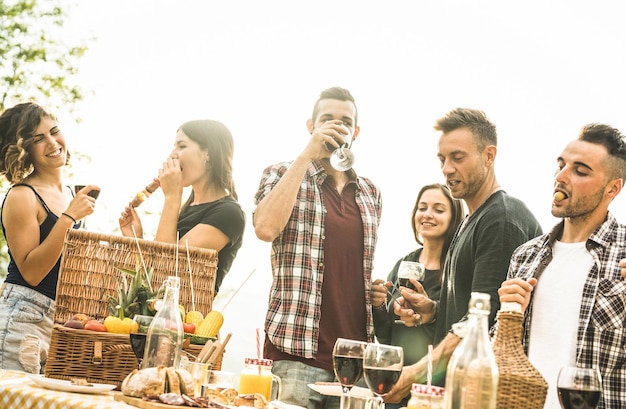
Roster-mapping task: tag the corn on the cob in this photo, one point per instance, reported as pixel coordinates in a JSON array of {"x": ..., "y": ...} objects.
[
  {"x": 211, "y": 324},
  {"x": 194, "y": 317}
]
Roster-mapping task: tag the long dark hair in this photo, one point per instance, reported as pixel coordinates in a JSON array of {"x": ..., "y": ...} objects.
[
  {"x": 215, "y": 137},
  {"x": 456, "y": 206}
]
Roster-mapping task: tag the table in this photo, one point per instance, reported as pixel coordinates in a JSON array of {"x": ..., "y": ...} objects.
[{"x": 17, "y": 391}]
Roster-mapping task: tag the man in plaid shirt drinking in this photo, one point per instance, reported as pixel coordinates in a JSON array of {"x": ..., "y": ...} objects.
[{"x": 323, "y": 226}]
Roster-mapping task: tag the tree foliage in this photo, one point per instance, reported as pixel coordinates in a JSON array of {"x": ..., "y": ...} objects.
[{"x": 38, "y": 62}]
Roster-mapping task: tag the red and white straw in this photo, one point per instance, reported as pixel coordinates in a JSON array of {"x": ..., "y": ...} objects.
[{"x": 430, "y": 365}]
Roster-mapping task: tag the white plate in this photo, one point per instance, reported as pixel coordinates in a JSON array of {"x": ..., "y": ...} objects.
[
  {"x": 334, "y": 389},
  {"x": 66, "y": 386}
]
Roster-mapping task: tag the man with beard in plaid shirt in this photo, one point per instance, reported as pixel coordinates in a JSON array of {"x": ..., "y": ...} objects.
[{"x": 568, "y": 281}]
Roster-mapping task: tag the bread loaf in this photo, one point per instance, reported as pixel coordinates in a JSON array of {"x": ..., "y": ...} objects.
[{"x": 155, "y": 381}]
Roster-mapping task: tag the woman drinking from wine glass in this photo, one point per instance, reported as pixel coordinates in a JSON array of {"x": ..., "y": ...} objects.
[{"x": 435, "y": 218}]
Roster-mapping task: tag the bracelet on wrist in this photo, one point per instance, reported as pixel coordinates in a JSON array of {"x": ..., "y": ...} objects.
[
  {"x": 70, "y": 217},
  {"x": 381, "y": 307}
]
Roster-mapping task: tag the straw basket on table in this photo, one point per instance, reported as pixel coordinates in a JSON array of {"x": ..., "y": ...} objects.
[{"x": 89, "y": 275}]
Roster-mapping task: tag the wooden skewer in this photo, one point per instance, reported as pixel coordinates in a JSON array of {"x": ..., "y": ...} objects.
[
  {"x": 219, "y": 349},
  {"x": 176, "y": 264},
  {"x": 206, "y": 351},
  {"x": 193, "y": 301},
  {"x": 237, "y": 290}
]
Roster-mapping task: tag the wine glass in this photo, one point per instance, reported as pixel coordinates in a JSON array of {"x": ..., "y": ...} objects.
[
  {"x": 93, "y": 193},
  {"x": 342, "y": 158},
  {"x": 408, "y": 270},
  {"x": 348, "y": 362},
  {"x": 579, "y": 388},
  {"x": 382, "y": 365},
  {"x": 138, "y": 330}
]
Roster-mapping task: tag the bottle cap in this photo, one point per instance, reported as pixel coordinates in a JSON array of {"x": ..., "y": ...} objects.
[
  {"x": 511, "y": 307},
  {"x": 258, "y": 361},
  {"x": 173, "y": 281},
  {"x": 479, "y": 303}
]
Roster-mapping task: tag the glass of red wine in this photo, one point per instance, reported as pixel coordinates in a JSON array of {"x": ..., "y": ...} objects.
[
  {"x": 348, "y": 362},
  {"x": 382, "y": 365},
  {"x": 579, "y": 388},
  {"x": 93, "y": 193},
  {"x": 138, "y": 331}
]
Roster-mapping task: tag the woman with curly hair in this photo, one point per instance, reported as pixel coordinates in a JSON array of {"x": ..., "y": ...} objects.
[{"x": 36, "y": 213}]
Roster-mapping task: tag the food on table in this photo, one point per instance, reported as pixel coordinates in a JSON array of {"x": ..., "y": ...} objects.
[
  {"x": 77, "y": 321},
  {"x": 255, "y": 400},
  {"x": 117, "y": 325},
  {"x": 156, "y": 381},
  {"x": 140, "y": 197},
  {"x": 189, "y": 328},
  {"x": 134, "y": 293},
  {"x": 175, "y": 387},
  {"x": 211, "y": 324},
  {"x": 95, "y": 325},
  {"x": 80, "y": 382},
  {"x": 74, "y": 324},
  {"x": 216, "y": 396},
  {"x": 194, "y": 317}
]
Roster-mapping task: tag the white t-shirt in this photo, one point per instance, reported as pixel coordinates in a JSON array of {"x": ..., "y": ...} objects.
[{"x": 555, "y": 311}]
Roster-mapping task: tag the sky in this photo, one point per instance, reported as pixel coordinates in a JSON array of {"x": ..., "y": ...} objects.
[{"x": 540, "y": 70}]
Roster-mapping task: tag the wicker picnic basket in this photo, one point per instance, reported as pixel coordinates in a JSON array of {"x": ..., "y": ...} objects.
[
  {"x": 520, "y": 385},
  {"x": 89, "y": 275}
]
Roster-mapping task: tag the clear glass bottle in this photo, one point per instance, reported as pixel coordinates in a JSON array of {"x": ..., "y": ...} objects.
[
  {"x": 472, "y": 374},
  {"x": 164, "y": 339}
]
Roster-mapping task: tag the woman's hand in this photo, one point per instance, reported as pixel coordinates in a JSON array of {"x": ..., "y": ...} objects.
[
  {"x": 82, "y": 205},
  {"x": 414, "y": 307},
  {"x": 130, "y": 223},
  {"x": 171, "y": 177}
]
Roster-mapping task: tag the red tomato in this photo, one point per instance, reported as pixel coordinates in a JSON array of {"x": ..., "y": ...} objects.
[
  {"x": 189, "y": 328},
  {"x": 95, "y": 325}
]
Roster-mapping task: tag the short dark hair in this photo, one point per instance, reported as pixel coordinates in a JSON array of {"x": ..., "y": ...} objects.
[
  {"x": 337, "y": 93},
  {"x": 613, "y": 140},
  {"x": 474, "y": 120}
]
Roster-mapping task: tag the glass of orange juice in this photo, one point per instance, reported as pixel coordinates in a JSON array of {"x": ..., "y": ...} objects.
[{"x": 257, "y": 377}]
